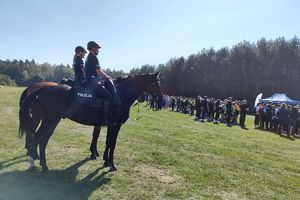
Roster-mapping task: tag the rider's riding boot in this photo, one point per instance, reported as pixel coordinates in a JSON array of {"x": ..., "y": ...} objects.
[
  {"x": 107, "y": 117},
  {"x": 116, "y": 100},
  {"x": 116, "y": 105}
]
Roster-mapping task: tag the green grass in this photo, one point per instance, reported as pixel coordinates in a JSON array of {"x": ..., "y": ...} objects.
[{"x": 164, "y": 155}]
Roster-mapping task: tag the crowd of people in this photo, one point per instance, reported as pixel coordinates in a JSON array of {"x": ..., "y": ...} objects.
[
  {"x": 229, "y": 111},
  {"x": 279, "y": 118}
]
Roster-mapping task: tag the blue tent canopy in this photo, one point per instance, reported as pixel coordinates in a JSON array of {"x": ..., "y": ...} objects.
[{"x": 279, "y": 98}]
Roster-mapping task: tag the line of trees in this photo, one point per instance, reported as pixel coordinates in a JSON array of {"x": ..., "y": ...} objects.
[
  {"x": 242, "y": 71},
  {"x": 24, "y": 73}
]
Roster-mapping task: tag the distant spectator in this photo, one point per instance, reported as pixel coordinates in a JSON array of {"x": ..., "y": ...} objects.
[
  {"x": 283, "y": 119},
  {"x": 256, "y": 117},
  {"x": 204, "y": 108},
  {"x": 198, "y": 107},
  {"x": 269, "y": 114},
  {"x": 228, "y": 112},
  {"x": 243, "y": 111},
  {"x": 293, "y": 115},
  {"x": 172, "y": 103},
  {"x": 217, "y": 110}
]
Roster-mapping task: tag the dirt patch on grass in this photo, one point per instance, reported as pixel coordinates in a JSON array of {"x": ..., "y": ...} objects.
[
  {"x": 161, "y": 175},
  {"x": 8, "y": 110},
  {"x": 156, "y": 183},
  {"x": 231, "y": 195},
  {"x": 7, "y": 113}
]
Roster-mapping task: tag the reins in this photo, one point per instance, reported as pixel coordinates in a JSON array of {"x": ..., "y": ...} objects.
[{"x": 138, "y": 111}]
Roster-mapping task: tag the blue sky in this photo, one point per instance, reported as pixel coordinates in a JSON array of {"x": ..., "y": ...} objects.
[{"x": 137, "y": 32}]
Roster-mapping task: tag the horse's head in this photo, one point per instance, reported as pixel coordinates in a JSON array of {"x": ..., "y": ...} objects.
[{"x": 153, "y": 86}]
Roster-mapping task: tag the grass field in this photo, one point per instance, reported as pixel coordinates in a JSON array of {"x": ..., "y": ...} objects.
[{"x": 163, "y": 155}]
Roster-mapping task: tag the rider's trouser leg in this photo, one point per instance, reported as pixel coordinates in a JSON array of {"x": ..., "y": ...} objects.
[{"x": 116, "y": 100}]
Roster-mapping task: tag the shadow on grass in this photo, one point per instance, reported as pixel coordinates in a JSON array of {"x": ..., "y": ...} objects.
[
  {"x": 12, "y": 161},
  {"x": 286, "y": 137},
  {"x": 56, "y": 184},
  {"x": 244, "y": 128}
]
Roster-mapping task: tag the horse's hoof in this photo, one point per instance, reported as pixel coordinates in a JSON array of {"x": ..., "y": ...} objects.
[
  {"x": 32, "y": 168},
  {"x": 105, "y": 164},
  {"x": 93, "y": 156},
  {"x": 112, "y": 168},
  {"x": 31, "y": 162},
  {"x": 34, "y": 156},
  {"x": 45, "y": 169}
]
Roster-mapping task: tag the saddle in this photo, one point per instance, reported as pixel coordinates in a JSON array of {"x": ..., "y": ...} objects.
[
  {"x": 84, "y": 99},
  {"x": 84, "y": 96}
]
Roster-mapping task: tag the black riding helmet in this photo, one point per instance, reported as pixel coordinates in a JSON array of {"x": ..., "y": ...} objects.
[
  {"x": 92, "y": 44},
  {"x": 78, "y": 49}
]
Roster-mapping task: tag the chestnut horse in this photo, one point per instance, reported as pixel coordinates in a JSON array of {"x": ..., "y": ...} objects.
[{"x": 49, "y": 104}]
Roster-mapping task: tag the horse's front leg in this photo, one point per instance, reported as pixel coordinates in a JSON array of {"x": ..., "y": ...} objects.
[
  {"x": 93, "y": 147},
  {"x": 105, "y": 153}
]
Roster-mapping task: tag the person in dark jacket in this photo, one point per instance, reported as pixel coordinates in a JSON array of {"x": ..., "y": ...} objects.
[
  {"x": 94, "y": 74},
  {"x": 274, "y": 121},
  {"x": 268, "y": 115},
  {"x": 211, "y": 111},
  {"x": 262, "y": 116},
  {"x": 78, "y": 64},
  {"x": 256, "y": 116},
  {"x": 198, "y": 107},
  {"x": 228, "y": 113},
  {"x": 79, "y": 72},
  {"x": 217, "y": 110},
  {"x": 297, "y": 127},
  {"x": 204, "y": 108},
  {"x": 178, "y": 104},
  {"x": 172, "y": 103},
  {"x": 243, "y": 112},
  {"x": 283, "y": 119},
  {"x": 293, "y": 115}
]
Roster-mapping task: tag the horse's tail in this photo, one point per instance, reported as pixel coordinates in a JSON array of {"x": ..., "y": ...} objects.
[
  {"x": 24, "y": 112},
  {"x": 23, "y": 96}
]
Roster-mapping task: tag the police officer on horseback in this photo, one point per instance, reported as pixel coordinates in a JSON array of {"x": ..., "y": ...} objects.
[
  {"x": 78, "y": 64},
  {"x": 94, "y": 74}
]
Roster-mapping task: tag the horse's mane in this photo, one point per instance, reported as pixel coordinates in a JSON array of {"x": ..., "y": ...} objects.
[
  {"x": 124, "y": 79},
  {"x": 121, "y": 80}
]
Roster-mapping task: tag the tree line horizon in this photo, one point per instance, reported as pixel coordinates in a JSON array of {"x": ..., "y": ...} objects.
[{"x": 242, "y": 71}]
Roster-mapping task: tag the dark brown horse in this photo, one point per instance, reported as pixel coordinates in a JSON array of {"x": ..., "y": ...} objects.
[
  {"x": 51, "y": 103},
  {"x": 38, "y": 118}
]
